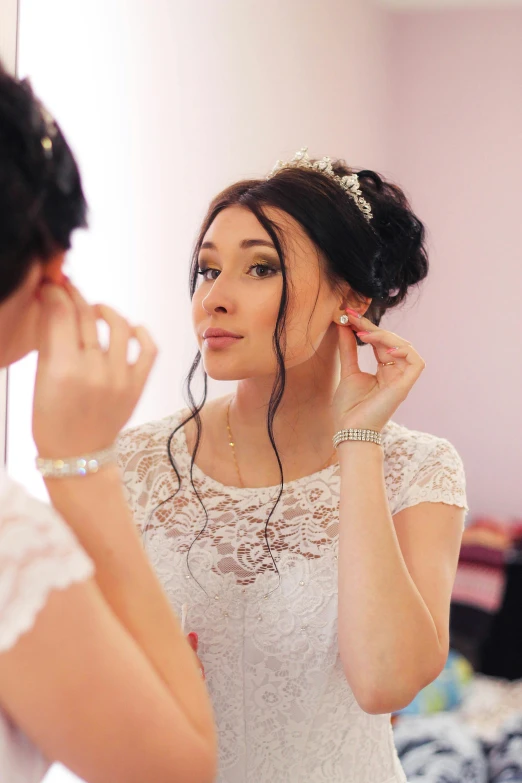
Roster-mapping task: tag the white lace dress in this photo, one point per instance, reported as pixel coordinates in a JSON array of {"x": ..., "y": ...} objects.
[
  {"x": 284, "y": 710},
  {"x": 38, "y": 554}
]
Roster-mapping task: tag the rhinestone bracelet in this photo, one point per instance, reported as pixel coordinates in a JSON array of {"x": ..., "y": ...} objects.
[
  {"x": 371, "y": 436},
  {"x": 75, "y": 466}
]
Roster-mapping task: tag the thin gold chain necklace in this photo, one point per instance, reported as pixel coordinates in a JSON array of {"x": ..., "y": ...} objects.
[{"x": 232, "y": 445}]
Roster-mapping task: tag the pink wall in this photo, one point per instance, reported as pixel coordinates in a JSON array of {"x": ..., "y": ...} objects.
[{"x": 455, "y": 136}]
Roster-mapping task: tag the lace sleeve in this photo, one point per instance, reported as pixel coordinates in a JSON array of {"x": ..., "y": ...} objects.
[
  {"x": 133, "y": 474},
  {"x": 437, "y": 478},
  {"x": 140, "y": 452},
  {"x": 38, "y": 553}
]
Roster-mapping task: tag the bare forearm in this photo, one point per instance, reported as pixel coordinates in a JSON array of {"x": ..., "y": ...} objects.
[
  {"x": 388, "y": 640},
  {"x": 96, "y": 510}
]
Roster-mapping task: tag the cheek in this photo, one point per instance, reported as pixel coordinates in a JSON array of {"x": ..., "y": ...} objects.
[
  {"x": 262, "y": 317},
  {"x": 309, "y": 318}
]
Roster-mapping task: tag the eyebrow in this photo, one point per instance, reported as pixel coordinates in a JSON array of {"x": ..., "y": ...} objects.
[{"x": 245, "y": 244}]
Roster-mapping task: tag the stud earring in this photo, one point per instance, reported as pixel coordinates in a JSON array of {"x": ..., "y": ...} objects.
[{"x": 344, "y": 320}]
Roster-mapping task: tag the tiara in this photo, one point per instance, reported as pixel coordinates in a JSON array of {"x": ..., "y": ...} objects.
[{"x": 349, "y": 183}]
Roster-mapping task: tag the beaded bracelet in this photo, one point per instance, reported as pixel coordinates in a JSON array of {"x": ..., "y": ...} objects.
[
  {"x": 75, "y": 466},
  {"x": 370, "y": 436}
]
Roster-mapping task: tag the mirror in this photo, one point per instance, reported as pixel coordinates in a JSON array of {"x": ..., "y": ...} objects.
[{"x": 165, "y": 104}]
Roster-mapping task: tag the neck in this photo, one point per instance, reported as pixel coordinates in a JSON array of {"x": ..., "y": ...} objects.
[{"x": 305, "y": 413}]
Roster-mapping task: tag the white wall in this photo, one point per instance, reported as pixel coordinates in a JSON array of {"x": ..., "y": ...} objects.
[
  {"x": 8, "y": 30},
  {"x": 8, "y": 24}
]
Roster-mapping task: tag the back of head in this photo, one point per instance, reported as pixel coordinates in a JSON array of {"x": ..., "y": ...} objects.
[{"x": 41, "y": 196}]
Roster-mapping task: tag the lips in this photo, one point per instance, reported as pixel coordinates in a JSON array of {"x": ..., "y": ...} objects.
[
  {"x": 219, "y": 333},
  {"x": 220, "y": 338}
]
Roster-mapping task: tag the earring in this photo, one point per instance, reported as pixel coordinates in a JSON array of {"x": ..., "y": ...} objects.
[{"x": 344, "y": 320}]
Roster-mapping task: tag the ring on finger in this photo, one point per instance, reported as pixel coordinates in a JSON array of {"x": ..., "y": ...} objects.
[{"x": 386, "y": 364}]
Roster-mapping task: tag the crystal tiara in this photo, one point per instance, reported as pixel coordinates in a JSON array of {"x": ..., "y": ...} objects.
[{"x": 349, "y": 183}]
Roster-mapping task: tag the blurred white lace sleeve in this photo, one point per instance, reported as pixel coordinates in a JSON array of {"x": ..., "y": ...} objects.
[{"x": 38, "y": 553}]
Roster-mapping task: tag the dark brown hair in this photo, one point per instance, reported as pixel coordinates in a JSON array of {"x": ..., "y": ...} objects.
[{"x": 41, "y": 196}]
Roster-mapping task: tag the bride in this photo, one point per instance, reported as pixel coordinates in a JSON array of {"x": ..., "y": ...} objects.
[{"x": 314, "y": 539}]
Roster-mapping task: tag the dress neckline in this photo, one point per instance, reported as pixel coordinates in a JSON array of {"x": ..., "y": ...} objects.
[{"x": 319, "y": 475}]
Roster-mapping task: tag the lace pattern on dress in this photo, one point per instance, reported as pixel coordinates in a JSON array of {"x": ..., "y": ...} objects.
[
  {"x": 38, "y": 553},
  {"x": 418, "y": 467},
  {"x": 284, "y": 709}
]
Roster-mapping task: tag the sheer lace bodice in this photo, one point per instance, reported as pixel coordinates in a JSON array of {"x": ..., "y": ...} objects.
[
  {"x": 284, "y": 709},
  {"x": 38, "y": 554}
]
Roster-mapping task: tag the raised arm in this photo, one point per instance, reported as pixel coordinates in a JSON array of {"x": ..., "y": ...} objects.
[{"x": 126, "y": 688}]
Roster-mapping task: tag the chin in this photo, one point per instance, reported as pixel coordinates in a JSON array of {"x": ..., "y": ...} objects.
[
  {"x": 223, "y": 374},
  {"x": 219, "y": 369}
]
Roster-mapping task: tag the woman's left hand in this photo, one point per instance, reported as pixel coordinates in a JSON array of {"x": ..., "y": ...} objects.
[{"x": 363, "y": 400}]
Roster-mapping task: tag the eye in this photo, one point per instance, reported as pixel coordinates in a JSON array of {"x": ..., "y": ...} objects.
[
  {"x": 262, "y": 271},
  {"x": 207, "y": 273}
]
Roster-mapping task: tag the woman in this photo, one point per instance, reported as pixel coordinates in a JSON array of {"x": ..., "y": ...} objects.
[
  {"x": 94, "y": 669},
  {"x": 318, "y": 575}
]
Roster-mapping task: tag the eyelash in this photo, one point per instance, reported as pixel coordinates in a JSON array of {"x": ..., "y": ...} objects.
[{"x": 203, "y": 271}]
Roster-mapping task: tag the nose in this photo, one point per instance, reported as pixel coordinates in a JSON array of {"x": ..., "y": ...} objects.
[{"x": 220, "y": 298}]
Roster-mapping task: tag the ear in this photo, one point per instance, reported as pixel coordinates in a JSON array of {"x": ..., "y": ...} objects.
[
  {"x": 52, "y": 269},
  {"x": 352, "y": 301}
]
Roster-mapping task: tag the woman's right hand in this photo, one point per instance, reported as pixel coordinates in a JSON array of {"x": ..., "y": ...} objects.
[{"x": 84, "y": 395}]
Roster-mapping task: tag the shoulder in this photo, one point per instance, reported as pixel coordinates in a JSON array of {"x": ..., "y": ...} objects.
[
  {"x": 38, "y": 553},
  {"x": 29, "y": 518},
  {"x": 147, "y": 471},
  {"x": 421, "y": 467},
  {"x": 144, "y": 440},
  {"x": 410, "y": 448}
]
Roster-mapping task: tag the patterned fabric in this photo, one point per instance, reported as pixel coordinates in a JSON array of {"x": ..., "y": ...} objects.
[
  {"x": 481, "y": 742},
  {"x": 505, "y": 757},
  {"x": 440, "y": 749},
  {"x": 38, "y": 554},
  {"x": 284, "y": 709},
  {"x": 489, "y": 704}
]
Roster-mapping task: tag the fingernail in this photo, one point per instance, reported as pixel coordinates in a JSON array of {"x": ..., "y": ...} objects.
[
  {"x": 193, "y": 639},
  {"x": 353, "y": 312},
  {"x": 391, "y": 350},
  {"x": 360, "y": 333}
]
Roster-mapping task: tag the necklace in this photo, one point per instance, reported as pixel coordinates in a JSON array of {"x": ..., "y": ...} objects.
[
  {"x": 233, "y": 447},
  {"x": 232, "y": 444}
]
